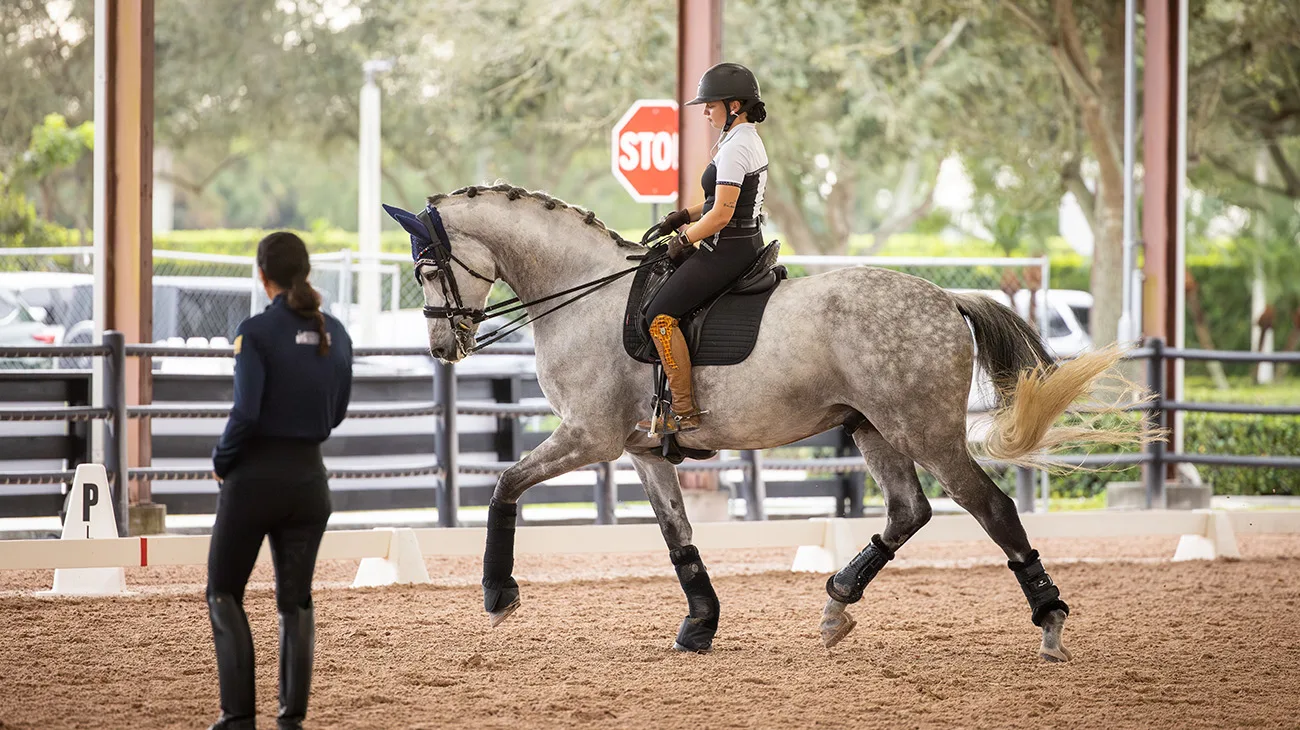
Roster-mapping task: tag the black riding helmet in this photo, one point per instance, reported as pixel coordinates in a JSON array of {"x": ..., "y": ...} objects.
[{"x": 725, "y": 82}]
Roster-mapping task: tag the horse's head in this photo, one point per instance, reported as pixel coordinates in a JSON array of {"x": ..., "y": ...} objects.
[{"x": 456, "y": 284}]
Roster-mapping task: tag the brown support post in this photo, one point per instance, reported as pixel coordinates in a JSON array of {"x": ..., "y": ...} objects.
[
  {"x": 129, "y": 204},
  {"x": 1163, "y": 186},
  {"x": 699, "y": 47}
]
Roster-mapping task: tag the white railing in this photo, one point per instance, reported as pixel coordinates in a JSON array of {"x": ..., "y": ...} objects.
[{"x": 395, "y": 555}]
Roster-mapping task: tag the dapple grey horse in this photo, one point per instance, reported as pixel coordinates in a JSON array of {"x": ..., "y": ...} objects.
[{"x": 885, "y": 354}]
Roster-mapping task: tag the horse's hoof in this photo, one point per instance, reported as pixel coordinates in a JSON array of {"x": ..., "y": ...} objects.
[
  {"x": 696, "y": 635},
  {"x": 1052, "y": 650},
  {"x": 688, "y": 650},
  {"x": 835, "y": 627},
  {"x": 1059, "y": 654},
  {"x": 496, "y": 617}
]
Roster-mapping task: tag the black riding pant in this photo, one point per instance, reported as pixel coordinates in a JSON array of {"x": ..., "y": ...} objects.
[
  {"x": 278, "y": 489},
  {"x": 706, "y": 274}
]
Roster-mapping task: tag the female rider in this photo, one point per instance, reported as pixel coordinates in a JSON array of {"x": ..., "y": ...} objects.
[{"x": 724, "y": 237}]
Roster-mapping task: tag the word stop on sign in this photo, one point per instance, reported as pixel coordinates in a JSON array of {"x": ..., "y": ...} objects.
[
  {"x": 643, "y": 147},
  {"x": 647, "y": 150}
]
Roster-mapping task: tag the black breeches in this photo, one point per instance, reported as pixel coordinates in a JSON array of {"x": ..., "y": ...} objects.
[
  {"x": 278, "y": 490},
  {"x": 706, "y": 274}
]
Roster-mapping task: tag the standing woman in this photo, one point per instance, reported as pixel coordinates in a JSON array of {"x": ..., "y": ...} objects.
[
  {"x": 293, "y": 380},
  {"x": 724, "y": 238}
]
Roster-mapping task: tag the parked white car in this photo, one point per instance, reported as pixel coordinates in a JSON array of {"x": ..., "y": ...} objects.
[{"x": 25, "y": 326}]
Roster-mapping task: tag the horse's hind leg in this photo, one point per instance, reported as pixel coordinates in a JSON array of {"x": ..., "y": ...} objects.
[
  {"x": 906, "y": 511},
  {"x": 976, "y": 493},
  {"x": 665, "y": 492}
]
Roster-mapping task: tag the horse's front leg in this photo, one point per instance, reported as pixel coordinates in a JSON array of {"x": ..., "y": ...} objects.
[
  {"x": 570, "y": 447},
  {"x": 665, "y": 492}
]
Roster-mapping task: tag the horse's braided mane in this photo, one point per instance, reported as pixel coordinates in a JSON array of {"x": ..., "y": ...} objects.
[{"x": 551, "y": 203}]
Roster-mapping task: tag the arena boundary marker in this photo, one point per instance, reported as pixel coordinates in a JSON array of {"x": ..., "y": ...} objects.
[{"x": 395, "y": 555}]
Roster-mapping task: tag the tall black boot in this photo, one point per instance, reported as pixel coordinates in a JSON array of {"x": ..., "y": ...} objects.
[
  {"x": 297, "y": 652},
  {"x": 234, "y": 645}
]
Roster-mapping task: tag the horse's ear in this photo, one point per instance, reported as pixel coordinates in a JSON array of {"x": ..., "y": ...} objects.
[{"x": 409, "y": 223}]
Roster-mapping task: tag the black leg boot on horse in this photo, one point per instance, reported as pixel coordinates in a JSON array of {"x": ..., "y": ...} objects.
[
  {"x": 701, "y": 624},
  {"x": 234, "y": 644},
  {"x": 1048, "y": 610},
  {"x": 500, "y": 590},
  {"x": 676, "y": 360}
]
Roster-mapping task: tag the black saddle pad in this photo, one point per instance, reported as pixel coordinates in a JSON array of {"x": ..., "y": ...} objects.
[
  {"x": 726, "y": 332},
  {"x": 721, "y": 332}
]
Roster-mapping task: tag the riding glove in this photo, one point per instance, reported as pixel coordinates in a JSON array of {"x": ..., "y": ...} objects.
[
  {"x": 679, "y": 248},
  {"x": 674, "y": 220}
]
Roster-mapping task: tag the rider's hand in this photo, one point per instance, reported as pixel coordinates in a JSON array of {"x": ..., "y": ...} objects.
[
  {"x": 666, "y": 225},
  {"x": 679, "y": 248},
  {"x": 674, "y": 220}
]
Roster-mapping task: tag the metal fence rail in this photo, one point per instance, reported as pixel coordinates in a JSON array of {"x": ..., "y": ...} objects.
[
  {"x": 113, "y": 389},
  {"x": 447, "y": 467}
]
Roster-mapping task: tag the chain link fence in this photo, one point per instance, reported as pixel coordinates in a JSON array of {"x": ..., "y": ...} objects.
[
  {"x": 43, "y": 292},
  {"x": 199, "y": 299}
]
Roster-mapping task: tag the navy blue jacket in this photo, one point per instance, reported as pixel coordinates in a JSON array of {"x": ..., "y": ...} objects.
[{"x": 283, "y": 388}]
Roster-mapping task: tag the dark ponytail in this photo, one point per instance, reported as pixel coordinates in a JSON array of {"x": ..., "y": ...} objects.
[
  {"x": 282, "y": 257},
  {"x": 757, "y": 113}
]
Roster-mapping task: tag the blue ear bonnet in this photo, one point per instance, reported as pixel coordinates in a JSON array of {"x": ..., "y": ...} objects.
[{"x": 423, "y": 247}]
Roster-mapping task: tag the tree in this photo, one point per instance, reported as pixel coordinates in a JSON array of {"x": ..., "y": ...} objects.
[
  {"x": 1241, "y": 87},
  {"x": 1270, "y": 245},
  {"x": 54, "y": 148},
  {"x": 525, "y": 92},
  {"x": 1246, "y": 88},
  {"x": 230, "y": 78},
  {"x": 860, "y": 109},
  {"x": 46, "y": 66},
  {"x": 1084, "y": 44},
  {"x": 1015, "y": 212}
]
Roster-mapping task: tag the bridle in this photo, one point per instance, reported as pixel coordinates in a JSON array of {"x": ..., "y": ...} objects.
[{"x": 433, "y": 252}]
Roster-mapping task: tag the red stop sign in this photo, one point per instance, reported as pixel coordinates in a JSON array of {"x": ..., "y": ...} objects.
[{"x": 645, "y": 151}]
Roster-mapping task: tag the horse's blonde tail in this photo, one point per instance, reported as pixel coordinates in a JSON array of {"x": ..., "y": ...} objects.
[{"x": 1034, "y": 390}]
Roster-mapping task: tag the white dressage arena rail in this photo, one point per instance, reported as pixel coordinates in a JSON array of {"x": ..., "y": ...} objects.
[{"x": 395, "y": 555}]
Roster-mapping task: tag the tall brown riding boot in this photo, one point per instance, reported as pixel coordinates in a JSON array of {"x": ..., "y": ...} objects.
[{"x": 676, "y": 360}]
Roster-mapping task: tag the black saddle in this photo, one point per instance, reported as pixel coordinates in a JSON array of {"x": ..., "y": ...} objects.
[{"x": 722, "y": 331}]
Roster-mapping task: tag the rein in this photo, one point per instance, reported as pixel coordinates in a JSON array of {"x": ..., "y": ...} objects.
[{"x": 518, "y": 323}]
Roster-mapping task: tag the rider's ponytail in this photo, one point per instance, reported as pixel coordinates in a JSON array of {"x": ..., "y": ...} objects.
[
  {"x": 283, "y": 259},
  {"x": 757, "y": 113}
]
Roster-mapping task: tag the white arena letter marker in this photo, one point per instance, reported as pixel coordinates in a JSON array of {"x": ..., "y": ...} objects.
[{"x": 90, "y": 517}]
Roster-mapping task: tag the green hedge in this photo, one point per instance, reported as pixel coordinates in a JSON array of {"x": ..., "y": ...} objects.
[
  {"x": 244, "y": 242},
  {"x": 1219, "y": 433}
]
